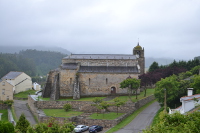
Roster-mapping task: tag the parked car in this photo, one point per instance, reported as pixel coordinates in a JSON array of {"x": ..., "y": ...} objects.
[
  {"x": 95, "y": 128},
  {"x": 81, "y": 128}
]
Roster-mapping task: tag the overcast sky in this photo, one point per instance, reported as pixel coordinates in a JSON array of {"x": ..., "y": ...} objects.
[{"x": 165, "y": 28}]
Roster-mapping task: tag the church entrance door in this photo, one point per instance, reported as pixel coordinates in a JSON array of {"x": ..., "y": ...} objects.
[{"x": 113, "y": 90}]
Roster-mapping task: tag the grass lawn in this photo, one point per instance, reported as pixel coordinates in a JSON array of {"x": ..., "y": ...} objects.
[
  {"x": 4, "y": 116},
  {"x": 70, "y": 99},
  {"x": 106, "y": 116},
  {"x": 123, "y": 98},
  {"x": 141, "y": 96},
  {"x": 61, "y": 113},
  {"x": 25, "y": 94},
  {"x": 129, "y": 118}
]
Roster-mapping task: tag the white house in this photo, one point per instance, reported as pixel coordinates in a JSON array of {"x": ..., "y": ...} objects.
[
  {"x": 36, "y": 86},
  {"x": 19, "y": 80},
  {"x": 188, "y": 102}
]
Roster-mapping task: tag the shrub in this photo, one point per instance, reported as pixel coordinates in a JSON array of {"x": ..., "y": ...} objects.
[
  {"x": 51, "y": 126},
  {"x": 6, "y": 127},
  {"x": 22, "y": 124},
  {"x": 67, "y": 107}
]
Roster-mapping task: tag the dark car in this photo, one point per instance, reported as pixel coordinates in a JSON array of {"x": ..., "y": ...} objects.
[{"x": 95, "y": 128}]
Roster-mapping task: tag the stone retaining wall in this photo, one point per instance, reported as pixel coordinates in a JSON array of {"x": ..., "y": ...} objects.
[
  {"x": 84, "y": 106},
  {"x": 3, "y": 106}
]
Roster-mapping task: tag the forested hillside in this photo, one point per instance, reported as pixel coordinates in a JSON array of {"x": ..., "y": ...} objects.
[
  {"x": 14, "y": 62},
  {"x": 44, "y": 60},
  {"x": 32, "y": 62}
]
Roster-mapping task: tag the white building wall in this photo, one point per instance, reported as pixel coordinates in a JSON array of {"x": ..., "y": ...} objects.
[
  {"x": 22, "y": 83},
  {"x": 188, "y": 105}
]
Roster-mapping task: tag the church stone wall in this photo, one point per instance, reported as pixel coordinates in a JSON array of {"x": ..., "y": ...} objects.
[
  {"x": 92, "y": 84},
  {"x": 102, "y": 62},
  {"x": 67, "y": 79}
]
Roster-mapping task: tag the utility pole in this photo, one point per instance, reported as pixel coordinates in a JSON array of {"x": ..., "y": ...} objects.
[{"x": 165, "y": 102}]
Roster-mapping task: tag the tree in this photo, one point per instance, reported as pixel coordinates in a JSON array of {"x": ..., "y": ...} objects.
[
  {"x": 195, "y": 70},
  {"x": 196, "y": 84},
  {"x": 153, "y": 66},
  {"x": 145, "y": 80},
  {"x": 132, "y": 84},
  {"x": 118, "y": 103},
  {"x": 22, "y": 124},
  {"x": 104, "y": 105},
  {"x": 172, "y": 90},
  {"x": 96, "y": 102}
]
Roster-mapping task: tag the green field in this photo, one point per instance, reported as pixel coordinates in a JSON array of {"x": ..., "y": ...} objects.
[
  {"x": 139, "y": 97},
  {"x": 25, "y": 94},
  {"x": 4, "y": 116},
  {"x": 61, "y": 113},
  {"x": 123, "y": 98}
]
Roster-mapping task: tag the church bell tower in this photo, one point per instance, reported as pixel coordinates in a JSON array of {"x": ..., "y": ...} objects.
[{"x": 139, "y": 52}]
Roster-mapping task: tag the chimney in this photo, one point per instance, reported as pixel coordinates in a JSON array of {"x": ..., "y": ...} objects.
[{"x": 190, "y": 91}]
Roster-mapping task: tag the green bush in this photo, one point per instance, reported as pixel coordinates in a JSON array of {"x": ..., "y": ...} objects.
[
  {"x": 51, "y": 126},
  {"x": 6, "y": 127},
  {"x": 67, "y": 107},
  {"x": 22, "y": 124}
]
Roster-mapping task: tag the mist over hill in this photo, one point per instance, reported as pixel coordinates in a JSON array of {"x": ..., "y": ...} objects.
[
  {"x": 17, "y": 49},
  {"x": 160, "y": 61}
]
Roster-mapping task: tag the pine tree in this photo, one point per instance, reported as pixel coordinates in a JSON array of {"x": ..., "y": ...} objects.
[{"x": 22, "y": 124}]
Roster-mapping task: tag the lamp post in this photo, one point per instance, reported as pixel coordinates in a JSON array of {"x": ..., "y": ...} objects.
[{"x": 165, "y": 101}]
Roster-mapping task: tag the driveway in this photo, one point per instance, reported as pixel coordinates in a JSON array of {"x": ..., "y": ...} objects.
[
  {"x": 142, "y": 121},
  {"x": 21, "y": 107}
]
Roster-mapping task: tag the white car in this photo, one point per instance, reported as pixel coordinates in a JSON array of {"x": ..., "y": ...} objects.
[{"x": 81, "y": 128}]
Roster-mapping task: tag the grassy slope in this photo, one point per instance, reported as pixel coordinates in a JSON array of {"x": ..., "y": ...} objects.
[{"x": 25, "y": 94}]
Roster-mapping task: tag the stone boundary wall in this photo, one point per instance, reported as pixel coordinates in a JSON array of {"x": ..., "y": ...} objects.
[
  {"x": 3, "y": 106},
  {"x": 128, "y": 109},
  {"x": 84, "y": 106}
]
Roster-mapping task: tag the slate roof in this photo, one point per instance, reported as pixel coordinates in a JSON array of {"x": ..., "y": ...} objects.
[
  {"x": 186, "y": 98},
  {"x": 12, "y": 75},
  {"x": 100, "y": 56},
  {"x": 108, "y": 69},
  {"x": 70, "y": 66}
]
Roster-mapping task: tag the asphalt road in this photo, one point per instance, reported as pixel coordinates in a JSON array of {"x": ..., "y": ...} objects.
[
  {"x": 21, "y": 107},
  {"x": 142, "y": 121}
]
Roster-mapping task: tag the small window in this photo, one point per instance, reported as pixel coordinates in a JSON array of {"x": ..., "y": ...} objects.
[
  {"x": 3, "y": 91},
  {"x": 106, "y": 81},
  {"x": 89, "y": 81},
  {"x": 7, "y": 97},
  {"x": 70, "y": 81},
  {"x": 3, "y": 83}
]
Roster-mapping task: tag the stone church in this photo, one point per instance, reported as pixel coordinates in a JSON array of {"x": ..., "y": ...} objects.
[{"x": 83, "y": 75}]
